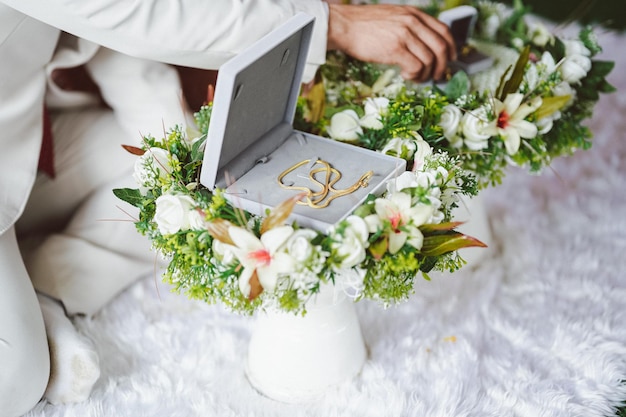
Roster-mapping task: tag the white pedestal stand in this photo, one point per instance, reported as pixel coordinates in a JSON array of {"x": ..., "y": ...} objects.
[{"x": 295, "y": 359}]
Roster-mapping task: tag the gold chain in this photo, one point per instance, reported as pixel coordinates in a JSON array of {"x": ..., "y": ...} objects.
[{"x": 318, "y": 199}]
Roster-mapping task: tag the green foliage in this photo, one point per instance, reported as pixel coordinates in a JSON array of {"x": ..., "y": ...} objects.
[
  {"x": 130, "y": 196},
  {"x": 459, "y": 85}
]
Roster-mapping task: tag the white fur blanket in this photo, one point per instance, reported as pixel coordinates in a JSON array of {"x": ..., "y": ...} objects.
[{"x": 539, "y": 327}]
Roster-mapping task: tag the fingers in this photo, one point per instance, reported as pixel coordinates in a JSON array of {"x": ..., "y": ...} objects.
[
  {"x": 431, "y": 43},
  {"x": 418, "y": 43}
]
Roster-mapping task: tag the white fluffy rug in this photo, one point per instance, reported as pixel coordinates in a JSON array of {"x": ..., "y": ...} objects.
[{"x": 538, "y": 329}]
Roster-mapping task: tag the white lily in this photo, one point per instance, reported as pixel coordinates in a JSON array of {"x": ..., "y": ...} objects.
[
  {"x": 510, "y": 123},
  {"x": 403, "y": 219},
  {"x": 263, "y": 256}
]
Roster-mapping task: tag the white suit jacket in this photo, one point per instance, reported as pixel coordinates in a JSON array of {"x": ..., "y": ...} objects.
[{"x": 195, "y": 33}]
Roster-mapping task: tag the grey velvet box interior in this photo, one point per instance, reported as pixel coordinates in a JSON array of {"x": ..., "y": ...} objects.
[{"x": 259, "y": 188}]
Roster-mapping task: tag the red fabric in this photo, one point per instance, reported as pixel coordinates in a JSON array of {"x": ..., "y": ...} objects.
[{"x": 46, "y": 156}]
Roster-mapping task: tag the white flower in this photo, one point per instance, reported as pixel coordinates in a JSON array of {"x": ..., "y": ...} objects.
[
  {"x": 223, "y": 252},
  {"x": 383, "y": 81},
  {"x": 547, "y": 60},
  {"x": 575, "y": 47},
  {"x": 423, "y": 151},
  {"x": 261, "y": 256},
  {"x": 449, "y": 122},
  {"x": 197, "y": 220},
  {"x": 510, "y": 123},
  {"x": 539, "y": 34},
  {"x": 407, "y": 179},
  {"x": 574, "y": 68},
  {"x": 544, "y": 125},
  {"x": 152, "y": 168},
  {"x": 351, "y": 244},
  {"x": 517, "y": 43},
  {"x": 299, "y": 245},
  {"x": 375, "y": 109},
  {"x": 490, "y": 26},
  {"x": 402, "y": 148},
  {"x": 393, "y": 89},
  {"x": 565, "y": 89},
  {"x": 172, "y": 213},
  {"x": 401, "y": 220},
  {"x": 344, "y": 126},
  {"x": 531, "y": 77},
  {"x": 477, "y": 129}
]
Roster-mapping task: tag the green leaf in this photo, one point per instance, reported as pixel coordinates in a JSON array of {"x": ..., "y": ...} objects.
[
  {"x": 437, "y": 245},
  {"x": 605, "y": 87},
  {"x": 588, "y": 37},
  {"x": 429, "y": 228},
  {"x": 458, "y": 85},
  {"x": 129, "y": 195},
  {"x": 197, "y": 149},
  {"x": 513, "y": 83},
  {"x": 601, "y": 68},
  {"x": 549, "y": 105}
]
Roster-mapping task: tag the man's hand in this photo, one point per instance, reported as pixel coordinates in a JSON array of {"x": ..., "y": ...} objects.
[{"x": 389, "y": 34}]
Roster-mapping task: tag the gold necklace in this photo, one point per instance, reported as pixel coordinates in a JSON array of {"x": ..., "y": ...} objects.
[{"x": 318, "y": 199}]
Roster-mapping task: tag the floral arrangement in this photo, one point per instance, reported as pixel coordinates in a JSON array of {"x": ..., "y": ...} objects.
[
  {"x": 525, "y": 110},
  {"x": 456, "y": 138}
]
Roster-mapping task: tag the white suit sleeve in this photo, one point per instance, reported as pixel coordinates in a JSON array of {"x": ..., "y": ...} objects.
[{"x": 194, "y": 33}]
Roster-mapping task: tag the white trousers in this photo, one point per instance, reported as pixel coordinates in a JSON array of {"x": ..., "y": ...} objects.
[
  {"x": 98, "y": 252},
  {"x": 93, "y": 256}
]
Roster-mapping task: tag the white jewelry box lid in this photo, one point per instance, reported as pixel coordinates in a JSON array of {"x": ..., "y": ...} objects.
[
  {"x": 256, "y": 91},
  {"x": 251, "y": 139}
]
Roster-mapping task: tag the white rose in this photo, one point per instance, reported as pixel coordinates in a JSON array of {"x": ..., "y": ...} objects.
[
  {"x": 352, "y": 244},
  {"x": 449, "y": 121},
  {"x": 344, "y": 126},
  {"x": 476, "y": 129},
  {"x": 197, "y": 220},
  {"x": 375, "y": 109},
  {"x": 574, "y": 68},
  {"x": 539, "y": 34},
  {"x": 564, "y": 89},
  {"x": 224, "y": 252},
  {"x": 376, "y": 105},
  {"x": 407, "y": 179},
  {"x": 172, "y": 213},
  {"x": 371, "y": 121},
  {"x": 299, "y": 244},
  {"x": 426, "y": 179},
  {"x": 575, "y": 47},
  {"x": 547, "y": 60},
  {"x": 544, "y": 125}
]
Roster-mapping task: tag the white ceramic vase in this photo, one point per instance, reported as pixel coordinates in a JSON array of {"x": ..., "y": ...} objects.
[{"x": 296, "y": 359}]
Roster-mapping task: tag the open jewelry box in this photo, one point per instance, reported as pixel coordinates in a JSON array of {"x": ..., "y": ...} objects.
[{"x": 256, "y": 156}]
